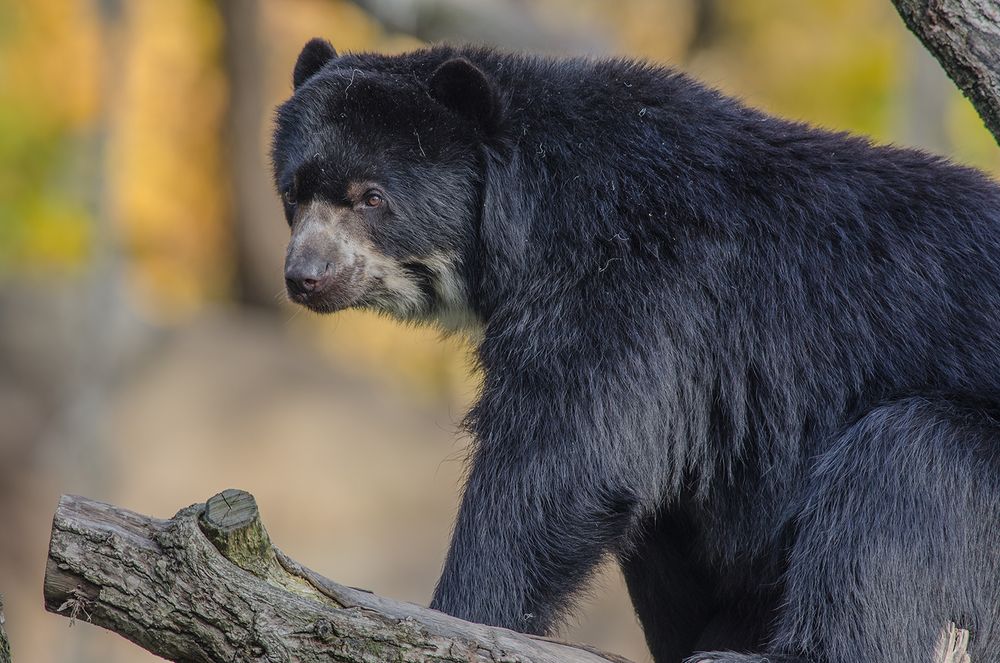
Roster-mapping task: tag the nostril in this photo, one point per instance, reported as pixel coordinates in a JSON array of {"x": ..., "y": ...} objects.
[
  {"x": 303, "y": 281},
  {"x": 300, "y": 285}
]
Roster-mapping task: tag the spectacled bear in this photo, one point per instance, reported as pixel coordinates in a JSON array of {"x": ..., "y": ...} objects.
[{"x": 755, "y": 362}]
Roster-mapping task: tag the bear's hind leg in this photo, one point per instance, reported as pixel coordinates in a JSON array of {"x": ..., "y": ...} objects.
[{"x": 897, "y": 537}]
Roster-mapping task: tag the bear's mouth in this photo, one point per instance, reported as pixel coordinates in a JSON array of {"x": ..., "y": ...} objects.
[
  {"x": 373, "y": 281},
  {"x": 341, "y": 289}
]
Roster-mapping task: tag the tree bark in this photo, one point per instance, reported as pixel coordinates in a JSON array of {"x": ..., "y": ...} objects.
[
  {"x": 964, "y": 35},
  {"x": 4, "y": 644},
  {"x": 208, "y": 586}
]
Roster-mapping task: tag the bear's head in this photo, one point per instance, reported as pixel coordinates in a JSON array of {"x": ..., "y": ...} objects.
[{"x": 377, "y": 160}]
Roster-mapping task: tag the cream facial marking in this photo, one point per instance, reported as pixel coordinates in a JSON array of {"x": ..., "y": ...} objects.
[
  {"x": 453, "y": 312},
  {"x": 329, "y": 243}
]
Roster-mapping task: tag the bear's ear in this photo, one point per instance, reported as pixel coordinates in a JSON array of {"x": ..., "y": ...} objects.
[
  {"x": 316, "y": 53},
  {"x": 464, "y": 88}
]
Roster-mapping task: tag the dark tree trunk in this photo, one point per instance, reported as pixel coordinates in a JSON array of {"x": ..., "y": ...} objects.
[{"x": 964, "y": 35}]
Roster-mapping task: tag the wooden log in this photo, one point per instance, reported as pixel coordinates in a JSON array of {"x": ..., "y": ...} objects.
[{"x": 208, "y": 586}]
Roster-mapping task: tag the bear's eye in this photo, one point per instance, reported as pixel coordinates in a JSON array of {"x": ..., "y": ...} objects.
[
  {"x": 289, "y": 196},
  {"x": 373, "y": 199}
]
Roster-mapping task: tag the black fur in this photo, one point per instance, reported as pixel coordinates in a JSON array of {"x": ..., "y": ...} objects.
[{"x": 756, "y": 362}]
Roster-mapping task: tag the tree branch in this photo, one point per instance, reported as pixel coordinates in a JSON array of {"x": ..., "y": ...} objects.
[
  {"x": 4, "y": 645},
  {"x": 208, "y": 586},
  {"x": 964, "y": 35}
]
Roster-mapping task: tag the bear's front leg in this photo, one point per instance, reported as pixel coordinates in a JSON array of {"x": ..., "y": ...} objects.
[{"x": 535, "y": 520}]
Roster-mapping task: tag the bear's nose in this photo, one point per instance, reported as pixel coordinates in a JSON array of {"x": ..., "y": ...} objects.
[{"x": 305, "y": 278}]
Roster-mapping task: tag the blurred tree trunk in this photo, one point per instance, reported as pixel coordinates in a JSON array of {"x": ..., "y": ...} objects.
[
  {"x": 78, "y": 430},
  {"x": 707, "y": 27},
  {"x": 256, "y": 221},
  {"x": 964, "y": 35}
]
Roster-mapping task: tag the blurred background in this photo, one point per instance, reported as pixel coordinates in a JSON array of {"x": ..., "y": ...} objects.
[{"x": 147, "y": 355}]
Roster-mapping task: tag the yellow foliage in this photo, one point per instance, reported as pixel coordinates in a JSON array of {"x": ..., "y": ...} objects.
[
  {"x": 830, "y": 62},
  {"x": 59, "y": 235},
  {"x": 657, "y": 30},
  {"x": 49, "y": 100},
  {"x": 49, "y": 60},
  {"x": 972, "y": 142},
  {"x": 165, "y": 162}
]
